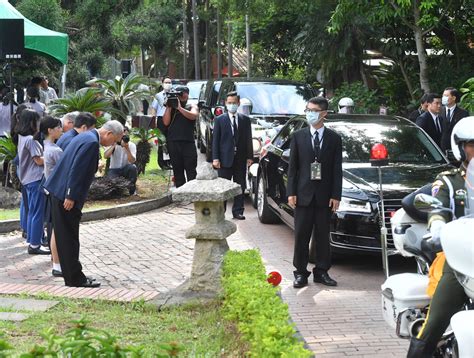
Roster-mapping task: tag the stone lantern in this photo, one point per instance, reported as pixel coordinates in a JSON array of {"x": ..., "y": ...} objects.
[{"x": 208, "y": 193}]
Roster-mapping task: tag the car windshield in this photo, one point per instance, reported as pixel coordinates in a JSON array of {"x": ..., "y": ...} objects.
[
  {"x": 405, "y": 144},
  {"x": 275, "y": 98},
  {"x": 194, "y": 89}
]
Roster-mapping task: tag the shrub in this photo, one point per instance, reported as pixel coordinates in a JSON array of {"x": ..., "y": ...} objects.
[
  {"x": 365, "y": 100},
  {"x": 261, "y": 316},
  {"x": 467, "y": 98},
  {"x": 106, "y": 188}
]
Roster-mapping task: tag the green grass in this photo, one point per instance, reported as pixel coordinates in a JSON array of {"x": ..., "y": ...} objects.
[{"x": 200, "y": 329}]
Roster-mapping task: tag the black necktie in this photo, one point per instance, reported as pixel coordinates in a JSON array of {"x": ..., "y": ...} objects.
[
  {"x": 236, "y": 130},
  {"x": 316, "y": 144},
  {"x": 438, "y": 124},
  {"x": 449, "y": 115}
]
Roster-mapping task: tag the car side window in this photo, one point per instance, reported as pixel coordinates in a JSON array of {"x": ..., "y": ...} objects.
[
  {"x": 282, "y": 140},
  {"x": 215, "y": 93}
]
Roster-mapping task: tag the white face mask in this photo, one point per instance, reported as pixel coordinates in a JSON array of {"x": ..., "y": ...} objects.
[
  {"x": 232, "y": 107},
  {"x": 444, "y": 100},
  {"x": 313, "y": 118},
  {"x": 167, "y": 86}
]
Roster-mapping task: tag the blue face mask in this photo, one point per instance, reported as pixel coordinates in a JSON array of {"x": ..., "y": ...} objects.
[
  {"x": 232, "y": 107},
  {"x": 313, "y": 118}
]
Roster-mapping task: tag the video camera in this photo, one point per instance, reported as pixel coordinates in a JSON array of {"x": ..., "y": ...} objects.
[{"x": 172, "y": 98}]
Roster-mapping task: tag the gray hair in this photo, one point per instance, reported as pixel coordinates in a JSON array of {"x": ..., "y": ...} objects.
[
  {"x": 113, "y": 126},
  {"x": 70, "y": 116}
]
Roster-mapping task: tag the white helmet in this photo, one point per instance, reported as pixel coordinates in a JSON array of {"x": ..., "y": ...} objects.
[
  {"x": 463, "y": 132},
  {"x": 245, "y": 106},
  {"x": 345, "y": 105}
]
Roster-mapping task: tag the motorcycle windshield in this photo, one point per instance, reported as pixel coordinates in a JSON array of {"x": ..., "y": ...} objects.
[{"x": 469, "y": 209}]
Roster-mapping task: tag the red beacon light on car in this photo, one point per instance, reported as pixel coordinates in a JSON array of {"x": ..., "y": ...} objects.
[
  {"x": 378, "y": 155},
  {"x": 218, "y": 111}
]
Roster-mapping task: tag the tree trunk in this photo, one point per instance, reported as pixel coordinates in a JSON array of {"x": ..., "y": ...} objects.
[
  {"x": 420, "y": 49},
  {"x": 407, "y": 80}
]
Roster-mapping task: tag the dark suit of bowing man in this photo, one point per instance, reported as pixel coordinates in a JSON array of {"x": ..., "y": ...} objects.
[
  {"x": 232, "y": 149},
  {"x": 68, "y": 186},
  {"x": 314, "y": 190}
]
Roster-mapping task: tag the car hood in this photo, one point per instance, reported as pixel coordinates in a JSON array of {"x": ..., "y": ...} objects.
[{"x": 396, "y": 178}]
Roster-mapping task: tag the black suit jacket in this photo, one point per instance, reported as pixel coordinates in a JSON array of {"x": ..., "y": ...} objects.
[
  {"x": 448, "y": 125},
  {"x": 426, "y": 122},
  {"x": 223, "y": 148},
  {"x": 299, "y": 170}
]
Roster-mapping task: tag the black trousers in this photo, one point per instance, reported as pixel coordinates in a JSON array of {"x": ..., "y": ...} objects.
[
  {"x": 129, "y": 172},
  {"x": 66, "y": 229},
  {"x": 237, "y": 174},
  {"x": 183, "y": 157},
  {"x": 312, "y": 221}
]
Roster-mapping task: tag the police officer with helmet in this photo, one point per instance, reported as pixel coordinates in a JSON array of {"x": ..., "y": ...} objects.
[
  {"x": 449, "y": 296},
  {"x": 345, "y": 105},
  {"x": 179, "y": 119}
]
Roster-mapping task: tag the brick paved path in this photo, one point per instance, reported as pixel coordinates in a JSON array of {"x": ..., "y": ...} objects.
[{"x": 142, "y": 255}]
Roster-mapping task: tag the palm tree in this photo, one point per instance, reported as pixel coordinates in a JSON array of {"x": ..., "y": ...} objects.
[
  {"x": 144, "y": 146},
  {"x": 7, "y": 154},
  {"x": 123, "y": 94},
  {"x": 88, "y": 100}
]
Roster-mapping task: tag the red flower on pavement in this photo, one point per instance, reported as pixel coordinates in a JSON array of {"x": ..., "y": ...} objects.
[{"x": 274, "y": 278}]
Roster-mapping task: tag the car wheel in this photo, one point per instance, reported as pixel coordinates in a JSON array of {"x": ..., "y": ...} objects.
[
  {"x": 254, "y": 192},
  {"x": 265, "y": 214}
]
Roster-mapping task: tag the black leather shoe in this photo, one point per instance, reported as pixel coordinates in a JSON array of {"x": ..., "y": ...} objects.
[
  {"x": 300, "y": 281},
  {"x": 90, "y": 283},
  {"x": 38, "y": 250},
  {"x": 239, "y": 217},
  {"x": 323, "y": 277},
  {"x": 57, "y": 273}
]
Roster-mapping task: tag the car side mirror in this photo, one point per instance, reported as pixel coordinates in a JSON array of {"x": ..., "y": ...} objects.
[
  {"x": 202, "y": 104},
  {"x": 286, "y": 155},
  {"x": 427, "y": 203}
]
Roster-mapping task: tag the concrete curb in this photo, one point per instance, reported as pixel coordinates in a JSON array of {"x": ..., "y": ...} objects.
[{"x": 106, "y": 213}]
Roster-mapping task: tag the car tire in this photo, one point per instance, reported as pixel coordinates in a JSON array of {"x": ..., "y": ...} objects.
[
  {"x": 253, "y": 192},
  {"x": 265, "y": 214}
]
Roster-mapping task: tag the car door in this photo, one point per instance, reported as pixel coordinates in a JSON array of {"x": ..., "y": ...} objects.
[{"x": 277, "y": 170}]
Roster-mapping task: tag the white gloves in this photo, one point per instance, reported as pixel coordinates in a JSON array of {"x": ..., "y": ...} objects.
[{"x": 435, "y": 229}]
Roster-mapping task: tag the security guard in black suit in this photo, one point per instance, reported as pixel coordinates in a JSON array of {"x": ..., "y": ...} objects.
[
  {"x": 451, "y": 114},
  {"x": 431, "y": 121},
  {"x": 232, "y": 150},
  {"x": 314, "y": 190}
]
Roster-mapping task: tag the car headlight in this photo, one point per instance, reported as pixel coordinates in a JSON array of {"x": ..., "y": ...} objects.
[
  {"x": 354, "y": 205},
  {"x": 257, "y": 145}
]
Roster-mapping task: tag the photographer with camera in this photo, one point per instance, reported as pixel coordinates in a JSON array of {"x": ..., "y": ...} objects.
[
  {"x": 122, "y": 158},
  {"x": 158, "y": 108},
  {"x": 180, "y": 120}
]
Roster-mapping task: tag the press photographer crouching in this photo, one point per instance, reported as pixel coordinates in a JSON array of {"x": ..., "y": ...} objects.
[
  {"x": 179, "y": 118},
  {"x": 122, "y": 158}
]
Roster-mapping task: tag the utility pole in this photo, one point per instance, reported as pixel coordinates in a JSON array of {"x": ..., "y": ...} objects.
[
  {"x": 208, "y": 37},
  {"x": 197, "y": 68},
  {"x": 247, "y": 38},
  {"x": 185, "y": 43},
  {"x": 230, "y": 65},
  {"x": 219, "y": 51}
]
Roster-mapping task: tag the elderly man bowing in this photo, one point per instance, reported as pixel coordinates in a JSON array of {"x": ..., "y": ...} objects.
[{"x": 68, "y": 186}]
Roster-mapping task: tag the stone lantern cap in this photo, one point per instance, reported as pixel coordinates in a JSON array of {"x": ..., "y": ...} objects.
[{"x": 207, "y": 187}]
